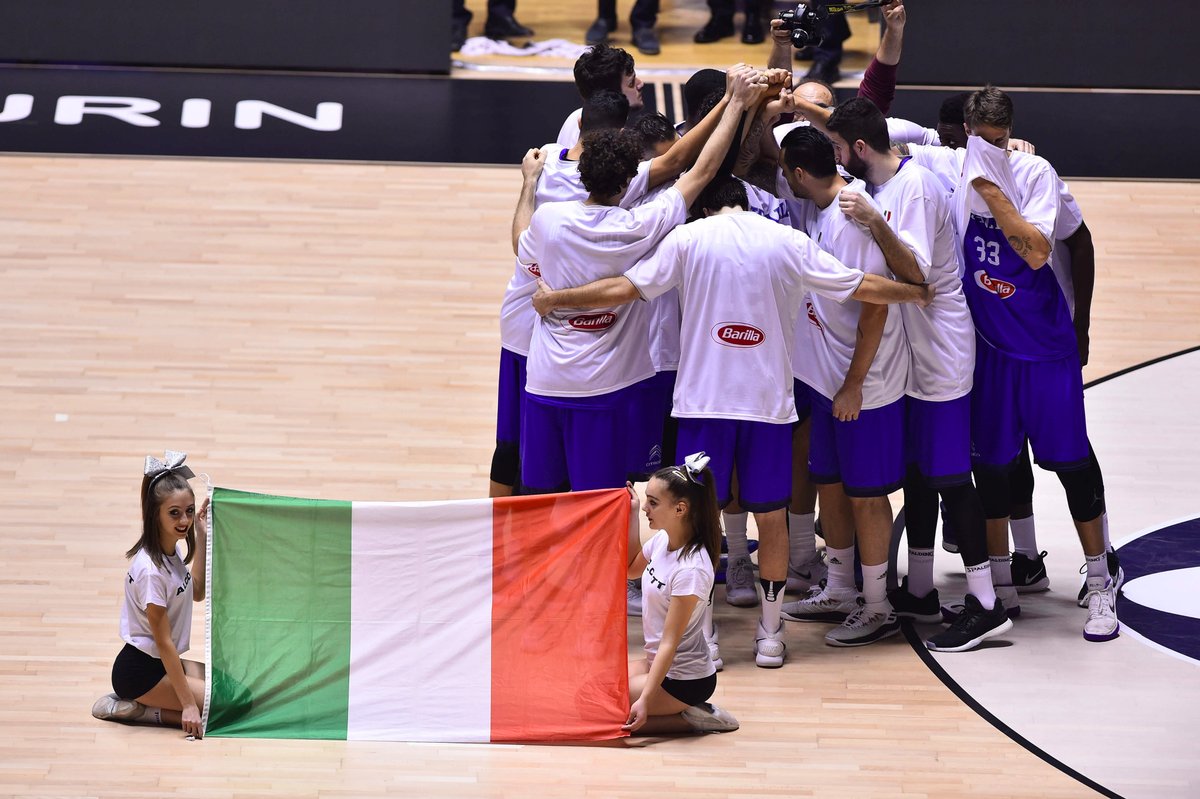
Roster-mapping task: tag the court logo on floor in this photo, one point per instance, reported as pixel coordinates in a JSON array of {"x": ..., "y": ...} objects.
[{"x": 1160, "y": 601}]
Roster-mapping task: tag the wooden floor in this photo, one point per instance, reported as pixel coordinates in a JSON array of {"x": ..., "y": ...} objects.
[{"x": 330, "y": 330}]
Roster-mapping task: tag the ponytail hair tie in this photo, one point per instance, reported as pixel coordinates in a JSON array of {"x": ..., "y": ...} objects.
[{"x": 694, "y": 466}]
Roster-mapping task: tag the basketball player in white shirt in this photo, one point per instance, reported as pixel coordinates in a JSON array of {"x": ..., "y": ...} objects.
[
  {"x": 602, "y": 67},
  {"x": 585, "y": 369},
  {"x": 853, "y": 360},
  {"x": 917, "y": 237},
  {"x": 741, "y": 280}
]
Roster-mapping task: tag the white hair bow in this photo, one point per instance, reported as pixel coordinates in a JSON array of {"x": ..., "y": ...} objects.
[
  {"x": 173, "y": 463},
  {"x": 695, "y": 464}
]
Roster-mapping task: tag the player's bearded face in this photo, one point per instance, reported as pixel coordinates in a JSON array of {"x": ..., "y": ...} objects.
[{"x": 849, "y": 158}]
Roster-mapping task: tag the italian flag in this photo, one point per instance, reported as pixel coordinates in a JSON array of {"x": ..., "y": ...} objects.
[{"x": 482, "y": 620}]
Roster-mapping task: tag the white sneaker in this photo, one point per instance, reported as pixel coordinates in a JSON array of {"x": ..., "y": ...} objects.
[
  {"x": 741, "y": 586},
  {"x": 769, "y": 647},
  {"x": 633, "y": 597},
  {"x": 823, "y": 604},
  {"x": 714, "y": 651},
  {"x": 865, "y": 626},
  {"x": 1102, "y": 624},
  {"x": 111, "y": 707},
  {"x": 806, "y": 575},
  {"x": 707, "y": 717}
]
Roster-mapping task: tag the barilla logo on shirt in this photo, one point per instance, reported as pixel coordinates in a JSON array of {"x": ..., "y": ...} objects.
[
  {"x": 812, "y": 315},
  {"x": 736, "y": 334},
  {"x": 592, "y": 321},
  {"x": 1001, "y": 288},
  {"x": 534, "y": 270}
]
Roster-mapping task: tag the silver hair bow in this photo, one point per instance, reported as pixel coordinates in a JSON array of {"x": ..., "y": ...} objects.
[
  {"x": 695, "y": 464},
  {"x": 173, "y": 463}
]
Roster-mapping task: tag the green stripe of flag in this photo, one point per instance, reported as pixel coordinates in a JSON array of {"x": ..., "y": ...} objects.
[{"x": 283, "y": 579}]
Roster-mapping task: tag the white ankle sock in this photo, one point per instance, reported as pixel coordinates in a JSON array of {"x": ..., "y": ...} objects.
[
  {"x": 802, "y": 538},
  {"x": 771, "y": 593},
  {"x": 1097, "y": 565},
  {"x": 875, "y": 584},
  {"x": 735, "y": 532},
  {"x": 1001, "y": 569},
  {"x": 920, "y": 572},
  {"x": 979, "y": 584},
  {"x": 1104, "y": 527},
  {"x": 1024, "y": 536},
  {"x": 841, "y": 567}
]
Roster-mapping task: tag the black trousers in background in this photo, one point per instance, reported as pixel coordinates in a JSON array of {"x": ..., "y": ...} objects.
[
  {"x": 644, "y": 14},
  {"x": 496, "y": 8}
]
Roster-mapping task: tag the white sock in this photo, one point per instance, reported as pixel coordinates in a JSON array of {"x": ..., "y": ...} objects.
[
  {"x": 771, "y": 594},
  {"x": 1001, "y": 569},
  {"x": 735, "y": 532},
  {"x": 802, "y": 538},
  {"x": 920, "y": 572},
  {"x": 979, "y": 584},
  {"x": 1104, "y": 527},
  {"x": 875, "y": 584},
  {"x": 151, "y": 715},
  {"x": 1097, "y": 566},
  {"x": 841, "y": 567},
  {"x": 1024, "y": 537}
]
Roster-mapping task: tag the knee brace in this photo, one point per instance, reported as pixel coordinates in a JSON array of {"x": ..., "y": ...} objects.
[
  {"x": 1085, "y": 494},
  {"x": 506, "y": 463},
  {"x": 993, "y": 488}
]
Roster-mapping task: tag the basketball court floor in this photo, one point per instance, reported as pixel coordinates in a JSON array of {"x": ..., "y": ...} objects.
[{"x": 330, "y": 330}]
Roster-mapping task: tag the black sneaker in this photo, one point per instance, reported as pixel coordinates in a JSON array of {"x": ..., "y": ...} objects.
[
  {"x": 504, "y": 27},
  {"x": 1029, "y": 574},
  {"x": 972, "y": 627},
  {"x": 598, "y": 32},
  {"x": 824, "y": 70},
  {"x": 926, "y": 609},
  {"x": 646, "y": 41},
  {"x": 714, "y": 30},
  {"x": 1115, "y": 573}
]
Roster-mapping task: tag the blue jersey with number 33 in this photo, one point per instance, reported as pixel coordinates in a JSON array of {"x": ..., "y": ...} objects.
[{"x": 1018, "y": 310}]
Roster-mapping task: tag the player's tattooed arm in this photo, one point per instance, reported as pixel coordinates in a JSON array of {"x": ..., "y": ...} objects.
[
  {"x": 1025, "y": 239},
  {"x": 901, "y": 148}
]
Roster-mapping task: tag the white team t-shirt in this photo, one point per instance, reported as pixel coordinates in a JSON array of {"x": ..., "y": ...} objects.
[
  {"x": 1070, "y": 218},
  {"x": 168, "y": 587},
  {"x": 741, "y": 279},
  {"x": 569, "y": 133},
  {"x": 899, "y": 130},
  {"x": 559, "y": 182},
  {"x": 827, "y": 331},
  {"x": 577, "y": 353},
  {"x": 668, "y": 574},
  {"x": 944, "y": 162},
  {"x": 941, "y": 336}
]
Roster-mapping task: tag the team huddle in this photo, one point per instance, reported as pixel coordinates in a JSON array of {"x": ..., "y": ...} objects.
[{"x": 830, "y": 304}]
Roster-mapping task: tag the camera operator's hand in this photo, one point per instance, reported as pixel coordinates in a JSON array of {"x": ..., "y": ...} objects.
[
  {"x": 532, "y": 163},
  {"x": 780, "y": 36},
  {"x": 894, "y": 14}
]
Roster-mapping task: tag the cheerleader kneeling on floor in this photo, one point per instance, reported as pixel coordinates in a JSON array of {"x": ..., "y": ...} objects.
[
  {"x": 670, "y": 688},
  {"x": 151, "y": 683}
]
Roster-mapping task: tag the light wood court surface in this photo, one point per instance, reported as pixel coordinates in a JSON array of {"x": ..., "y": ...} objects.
[
  {"x": 678, "y": 21},
  {"x": 330, "y": 330}
]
